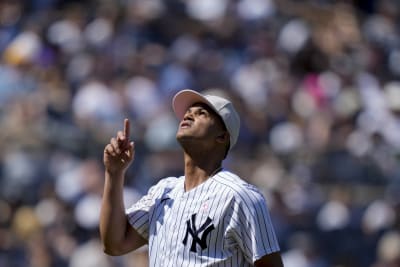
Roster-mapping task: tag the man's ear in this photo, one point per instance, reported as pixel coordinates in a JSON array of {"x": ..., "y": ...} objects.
[{"x": 223, "y": 137}]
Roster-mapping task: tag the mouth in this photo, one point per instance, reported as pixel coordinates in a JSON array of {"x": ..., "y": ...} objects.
[{"x": 185, "y": 124}]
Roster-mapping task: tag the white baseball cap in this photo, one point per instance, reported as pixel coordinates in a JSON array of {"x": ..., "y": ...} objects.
[{"x": 223, "y": 107}]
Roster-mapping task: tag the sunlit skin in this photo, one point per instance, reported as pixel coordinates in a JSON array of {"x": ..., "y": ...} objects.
[
  {"x": 117, "y": 236},
  {"x": 200, "y": 129}
]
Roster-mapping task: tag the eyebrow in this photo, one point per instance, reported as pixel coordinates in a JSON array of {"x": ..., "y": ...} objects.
[
  {"x": 201, "y": 106},
  {"x": 209, "y": 110}
]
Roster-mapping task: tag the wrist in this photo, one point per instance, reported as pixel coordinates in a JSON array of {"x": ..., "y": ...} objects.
[{"x": 115, "y": 174}]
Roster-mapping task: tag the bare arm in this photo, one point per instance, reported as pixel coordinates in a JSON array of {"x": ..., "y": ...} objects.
[
  {"x": 117, "y": 236},
  {"x": 270, "y": 260}
]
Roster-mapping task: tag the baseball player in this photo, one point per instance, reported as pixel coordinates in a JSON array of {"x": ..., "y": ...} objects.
[{"x": 207, "y": 217}]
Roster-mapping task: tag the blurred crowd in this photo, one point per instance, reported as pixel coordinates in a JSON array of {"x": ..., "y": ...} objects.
[{"x": 317, "y": 84}]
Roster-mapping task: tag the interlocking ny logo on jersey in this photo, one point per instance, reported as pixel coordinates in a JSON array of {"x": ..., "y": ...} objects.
[{"x": 206, "y": 228}]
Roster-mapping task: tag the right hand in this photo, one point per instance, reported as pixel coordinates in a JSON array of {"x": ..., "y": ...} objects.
[{"x": 119, "y": 153}]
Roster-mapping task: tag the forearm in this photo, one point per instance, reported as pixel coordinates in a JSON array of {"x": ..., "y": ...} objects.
[
  {"x": 113, "y": 221},
  {"x": 117, "y": 236}
]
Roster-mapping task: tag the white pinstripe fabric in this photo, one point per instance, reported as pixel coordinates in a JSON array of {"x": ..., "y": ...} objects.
[{"x": 240, "y": 231}]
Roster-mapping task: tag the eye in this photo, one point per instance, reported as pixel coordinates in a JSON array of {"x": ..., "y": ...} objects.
[{"x": 203, "y": 112}]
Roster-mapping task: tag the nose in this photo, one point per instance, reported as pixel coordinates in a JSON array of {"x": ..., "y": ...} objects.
[{"x": 188, "y": 115}]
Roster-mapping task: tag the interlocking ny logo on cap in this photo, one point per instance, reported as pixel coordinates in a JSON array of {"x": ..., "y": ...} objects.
[{"x": 206, "y": 228}]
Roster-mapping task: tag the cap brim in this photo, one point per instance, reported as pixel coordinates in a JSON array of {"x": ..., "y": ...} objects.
[{"x": 186, "y": 98}]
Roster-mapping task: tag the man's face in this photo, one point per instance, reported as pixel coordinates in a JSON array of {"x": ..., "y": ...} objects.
[{"x": 200, "y": 123}]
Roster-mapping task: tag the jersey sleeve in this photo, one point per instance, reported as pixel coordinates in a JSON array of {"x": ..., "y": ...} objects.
[
  {"x": 251, "y": 225},
  {"x": 138, "y": 213}
]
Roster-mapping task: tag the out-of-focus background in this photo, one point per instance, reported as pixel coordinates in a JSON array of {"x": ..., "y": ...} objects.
[{"x": 316, "y": 83}]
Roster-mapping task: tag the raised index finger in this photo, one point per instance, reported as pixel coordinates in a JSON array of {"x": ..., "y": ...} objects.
[{"x": 127, "y": 128}]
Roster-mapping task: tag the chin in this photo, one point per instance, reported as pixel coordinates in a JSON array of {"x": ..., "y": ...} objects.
[
  {"x": 184, "y": 139},
  {"x": 179, "y": 136},
  {"x": 181, "y": 133}
]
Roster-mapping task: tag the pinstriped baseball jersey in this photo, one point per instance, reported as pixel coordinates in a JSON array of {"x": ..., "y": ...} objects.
[{"x": 222, "y": 222}]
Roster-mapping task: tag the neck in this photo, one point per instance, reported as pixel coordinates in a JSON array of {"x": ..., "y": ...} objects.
[{"x": 197, "y": 172}]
